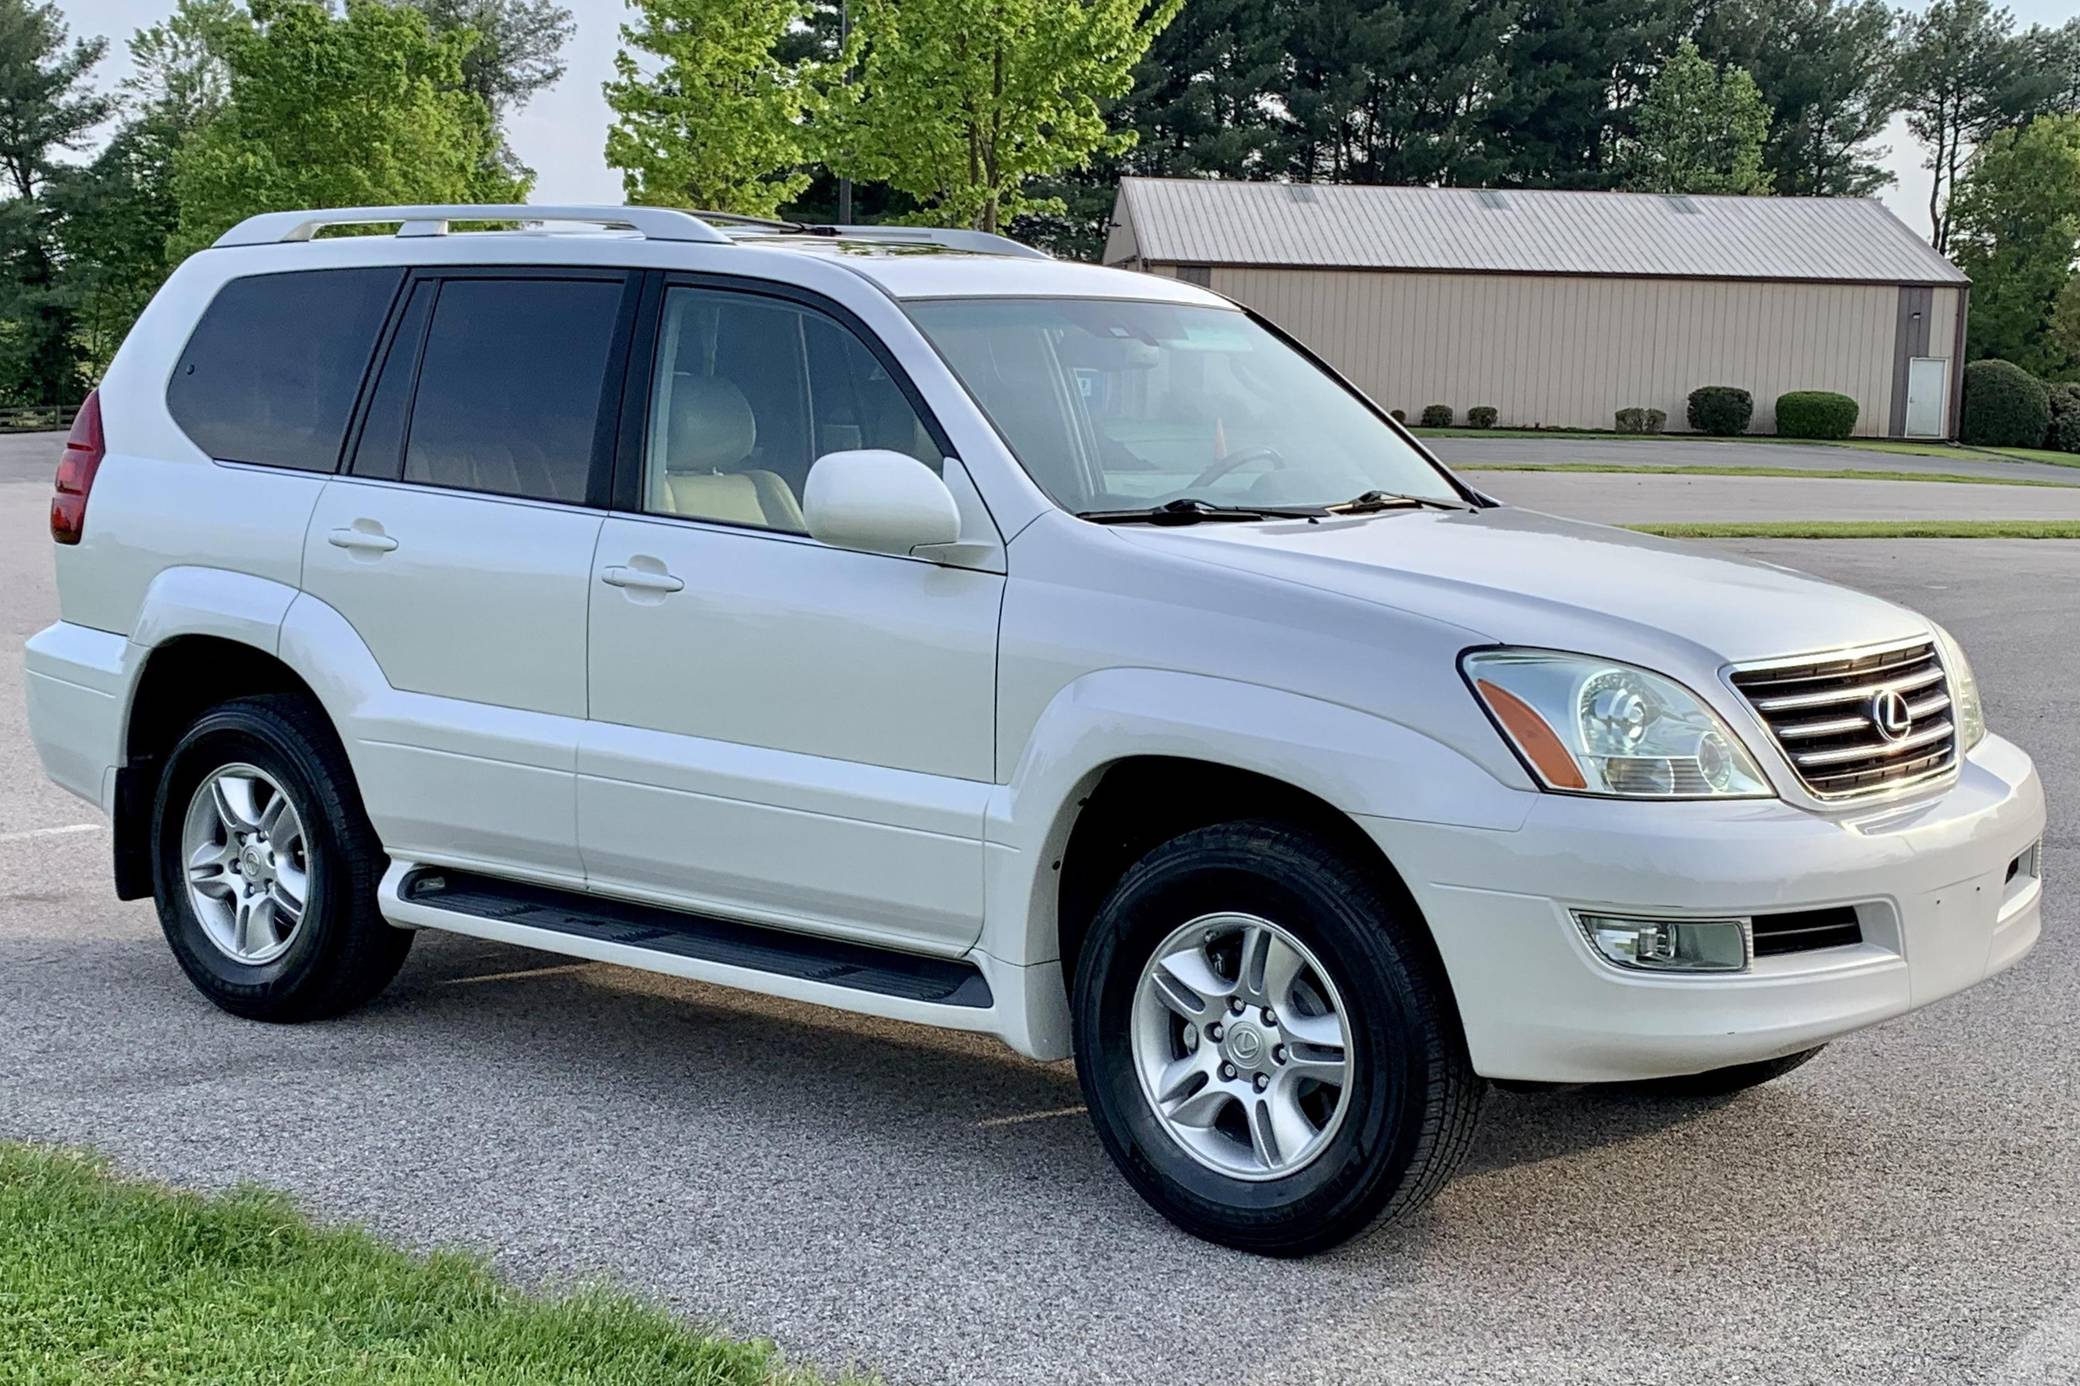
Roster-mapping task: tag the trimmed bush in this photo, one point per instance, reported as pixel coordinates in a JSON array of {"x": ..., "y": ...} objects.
[
  {"x": 1437, "y": 416},
  {"x": 1481, "y": 416},
  {"x": 1657, "y": 419},
  {"x": 1815, "y": 414},
  {"x": 1721, "y": 410},
  {"x": 2064, "y": 434},
  {"x": 1400, "y": 415},
  {"x": 2004, "y": 406},
  {"x": 1632, "y": 421}
]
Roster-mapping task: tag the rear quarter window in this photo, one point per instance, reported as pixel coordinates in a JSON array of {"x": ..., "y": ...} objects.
[{"x": 272, "y": 371}]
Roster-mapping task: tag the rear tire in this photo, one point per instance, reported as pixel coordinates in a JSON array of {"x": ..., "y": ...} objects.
[
  {"x": 265, "y": 866},
  {"x": 1252, "y": 1154},
  {"x": 1719, "y": 1082}
]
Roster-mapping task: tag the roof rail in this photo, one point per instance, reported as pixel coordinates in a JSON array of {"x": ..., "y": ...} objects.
[
  {"x": 952, "y": 237},
  {"x": 652, "y": 223}
]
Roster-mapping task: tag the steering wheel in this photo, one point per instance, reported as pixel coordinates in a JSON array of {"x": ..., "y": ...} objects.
[{"x": 1238, "y": 458}]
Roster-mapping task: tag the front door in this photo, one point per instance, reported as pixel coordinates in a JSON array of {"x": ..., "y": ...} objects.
[
  {"x": 458, "y": 545},
  {"x": 1927, "y": 377},
  {"x": 781, "y": 730}
]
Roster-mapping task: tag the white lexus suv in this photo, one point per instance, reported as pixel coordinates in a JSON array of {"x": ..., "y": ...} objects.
[{"x": 907, "y": 622}]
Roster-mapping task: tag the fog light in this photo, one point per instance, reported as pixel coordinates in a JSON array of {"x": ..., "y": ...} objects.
[{"x": 1671, "y": 945}]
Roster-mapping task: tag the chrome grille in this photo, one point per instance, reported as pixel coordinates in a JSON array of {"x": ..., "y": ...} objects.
[{"x": 1824, "y": 713}]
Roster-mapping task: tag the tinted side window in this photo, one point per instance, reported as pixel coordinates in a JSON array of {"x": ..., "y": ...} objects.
[
  {"x": 272, "y": 370},
  {"x": 510, "y": 386},
  {"x": 380, "y": 450}
]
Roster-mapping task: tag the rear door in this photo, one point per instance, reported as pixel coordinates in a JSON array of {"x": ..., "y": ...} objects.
[{"x": 458, "y": 544}]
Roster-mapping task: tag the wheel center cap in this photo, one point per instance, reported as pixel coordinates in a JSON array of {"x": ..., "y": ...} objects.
[
  {"x": 1245, "y": 1044},
  {"x": 251, "y": 863}
]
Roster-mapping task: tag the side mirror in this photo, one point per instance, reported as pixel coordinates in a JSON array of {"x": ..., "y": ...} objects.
[{"x": 880, "y": 501}]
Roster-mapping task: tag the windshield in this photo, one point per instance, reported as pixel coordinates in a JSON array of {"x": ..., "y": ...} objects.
[{"x": 1115, "y": 405}]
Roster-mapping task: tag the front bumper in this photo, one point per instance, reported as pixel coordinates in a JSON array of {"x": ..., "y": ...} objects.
[{"x": 1929, "y": 877}]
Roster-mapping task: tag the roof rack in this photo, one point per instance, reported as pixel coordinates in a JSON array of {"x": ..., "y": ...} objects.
[
  {"x": 652, "y": 223},
  {"x": 952, "y": 237}
]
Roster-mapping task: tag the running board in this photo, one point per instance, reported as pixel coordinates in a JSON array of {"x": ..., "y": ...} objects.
[{"x": 855, "y": 976}]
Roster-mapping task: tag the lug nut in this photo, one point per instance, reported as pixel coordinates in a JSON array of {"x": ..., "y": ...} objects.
[
  {"x": 1213, "y": 1032},
  {"x": 1236, "y": 1006},
  {"x": 1263, "y": 1082},
  {"x": 1269, "y": 1017},
  {"x": 1228, "y": 1071},
  {"x": 1278, "y": 1053}
]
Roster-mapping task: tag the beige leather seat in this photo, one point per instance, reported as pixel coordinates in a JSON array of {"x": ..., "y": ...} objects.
[{"x": 711, "y": 432}]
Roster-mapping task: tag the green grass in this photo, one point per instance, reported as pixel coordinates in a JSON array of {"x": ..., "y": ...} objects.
[
  {"x": 1870, "y": 529},
  {"x": 2056, "y": 459},
  {"x": 110, "y": 1280},
  {"x": 1845, "y": 473}
]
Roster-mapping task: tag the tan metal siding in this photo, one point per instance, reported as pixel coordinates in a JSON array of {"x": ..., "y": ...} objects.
[
  {"x": 1942, "y": 325},
  {"x": 1569, "y": 352}
]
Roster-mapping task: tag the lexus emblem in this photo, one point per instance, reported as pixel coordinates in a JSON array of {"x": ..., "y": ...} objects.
[{"x": 1891, "y": 715}]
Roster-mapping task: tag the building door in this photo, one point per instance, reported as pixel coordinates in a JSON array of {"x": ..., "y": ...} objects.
[{"x": 1928, "y": 378}]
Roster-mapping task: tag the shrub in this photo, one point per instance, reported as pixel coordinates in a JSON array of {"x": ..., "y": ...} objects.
[
  {"x": 1437, "y": 416},
  {"x": 1721, "y": 410},
  {"x": 2004, "y": 406},
  {"x": 1657, "y": 419},
  {"x": 1815, "y": 414},
  {"x": 1481, "y": 416},
  {"x": 2064, "y": 434},
  {"x": 1400, "y": 415},
  {"x": 1632, "y": 421}
]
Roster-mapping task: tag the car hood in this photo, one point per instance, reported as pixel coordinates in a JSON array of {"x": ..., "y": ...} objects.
[{"x": 1521, "y": 577}]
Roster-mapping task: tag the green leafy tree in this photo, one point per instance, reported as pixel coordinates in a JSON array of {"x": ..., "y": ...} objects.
[
  {"x": 2064, "y": 327},
  {"x": 959, "y": 105},
  {"x": 715, "y": 118},
  {"x": 46, "y": 110},
  {"x": 1699, "y": 130},
  {"x": 346, "y": 109},
  {"x": 1825, "y": 66},
  {"x": 2016, "y": 230},
  {"x": 1573, "y": 73}
]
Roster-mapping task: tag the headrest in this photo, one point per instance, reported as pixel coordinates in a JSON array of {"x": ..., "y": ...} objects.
[{"x": 712, "y": 426}]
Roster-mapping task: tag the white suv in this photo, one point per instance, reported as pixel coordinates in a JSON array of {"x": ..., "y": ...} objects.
[{"x": 904, "y": 621}]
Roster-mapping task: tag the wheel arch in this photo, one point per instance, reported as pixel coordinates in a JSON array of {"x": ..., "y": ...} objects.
[{"x": 182, "y": 677}]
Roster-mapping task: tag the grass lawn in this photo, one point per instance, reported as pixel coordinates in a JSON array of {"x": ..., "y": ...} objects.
[
  {"x": 2056, "y": 459},
  {"x": 110, "y": 1280},
  {"x": 1801, "y": 473},
  {"x": 1871, "y": 529}
]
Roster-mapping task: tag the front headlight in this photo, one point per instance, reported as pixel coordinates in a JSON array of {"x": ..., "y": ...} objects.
[
  {"x": 1591, "y": 726},
  {"x": 1965, "y": 710}
]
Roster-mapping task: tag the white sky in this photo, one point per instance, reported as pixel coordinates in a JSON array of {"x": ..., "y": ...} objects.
[{"x": 561, "y": 135}]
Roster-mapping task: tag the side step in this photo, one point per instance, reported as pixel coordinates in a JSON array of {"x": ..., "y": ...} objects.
[{"x": 663, "y": 940}]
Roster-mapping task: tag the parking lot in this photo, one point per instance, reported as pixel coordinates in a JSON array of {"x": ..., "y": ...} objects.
[{"x": 1905, "y": 1208}]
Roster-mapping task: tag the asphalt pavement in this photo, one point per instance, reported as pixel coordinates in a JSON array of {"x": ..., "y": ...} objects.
[{"x": 1904, "y": 1209}]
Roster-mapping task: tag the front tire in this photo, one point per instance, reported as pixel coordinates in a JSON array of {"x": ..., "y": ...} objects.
[
  {"x": 1265, "y": 1044},
  {"x": 264, "y": 865}
]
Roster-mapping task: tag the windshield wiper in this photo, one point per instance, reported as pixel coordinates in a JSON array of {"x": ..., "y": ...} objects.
[
  {"x": 1370, "y": 501},
  {"x": 1190, "y": 510}
]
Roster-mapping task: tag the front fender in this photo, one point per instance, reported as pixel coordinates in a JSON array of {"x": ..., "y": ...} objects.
[{"x": 1355, "y": 760}]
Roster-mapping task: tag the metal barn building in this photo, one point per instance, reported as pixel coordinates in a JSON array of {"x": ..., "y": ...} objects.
[{"x": 1560, "y": 308}]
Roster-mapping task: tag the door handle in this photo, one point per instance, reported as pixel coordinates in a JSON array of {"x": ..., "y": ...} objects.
[
  {"x": 640, "y": 579},
  {"x": 361, "y": 540}
]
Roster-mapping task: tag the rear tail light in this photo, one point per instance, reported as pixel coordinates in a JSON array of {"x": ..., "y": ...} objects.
[{"x": 84, "y": 449}]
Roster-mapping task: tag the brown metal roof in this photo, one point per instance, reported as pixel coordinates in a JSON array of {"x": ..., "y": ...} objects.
[{"x": 1507, "y": 231}]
